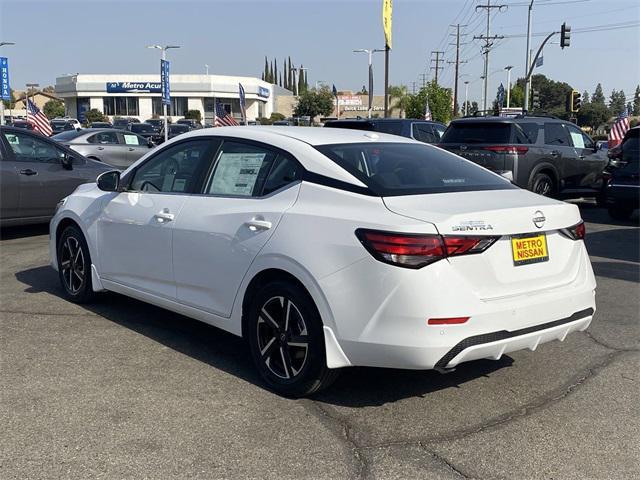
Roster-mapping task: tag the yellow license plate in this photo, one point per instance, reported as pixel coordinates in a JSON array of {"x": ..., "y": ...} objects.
[{"x": 528, "y": 249}]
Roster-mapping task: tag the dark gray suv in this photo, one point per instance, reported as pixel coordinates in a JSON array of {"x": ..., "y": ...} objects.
[{"x": 546, "y": 155}]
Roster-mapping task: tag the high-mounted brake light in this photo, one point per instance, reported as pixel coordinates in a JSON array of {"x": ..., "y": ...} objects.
[
  {"x": 577, "y": 232},
  {"x": 416, "y": 250},
  {"x": 513, "y": 149}
]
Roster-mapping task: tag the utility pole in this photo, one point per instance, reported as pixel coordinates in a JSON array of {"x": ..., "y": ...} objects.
[
  {"x": 487, "y": 47},
  {"x": 457, "y": 62},
  {"x": 413, "y": 87},
  {"x": 423, "y": 78},
  {"x": 438, "y": 60},
  {"x": 508, "y": 69},
  {"x": 466, "y": 98}
]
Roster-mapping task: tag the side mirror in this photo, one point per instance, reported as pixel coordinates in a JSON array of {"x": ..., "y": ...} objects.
[
  {"x": 67, "y": 162},
  {"x": 109, "y": 181}
]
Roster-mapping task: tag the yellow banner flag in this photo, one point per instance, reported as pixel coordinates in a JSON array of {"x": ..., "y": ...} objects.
[{"x": 387, "y": 7}]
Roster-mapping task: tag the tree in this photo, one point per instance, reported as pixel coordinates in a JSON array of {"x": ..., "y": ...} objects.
[
  {"x": 301, "y": 88},
  {"x": 193, "y": 114},
  {"x": 275, "y": 70},
  {"x": 50, "y": 89},
  {"x": 598, "y": 95},
  {"x": 53, "y": 109},
  {"x": 636, "y": 101},
  {"x": 95, "y": 115},
  {"x": 516, "y": 99},
  {"x": 585, "y": 97},
  {"x": 265, "y": 73},
  {"x": 314, "y": 102},
  {"x": 399, "y": 98},
  {"x": 593, "y": 115},
  {"x": 439, "y": 103},
  {"x": 617, "y": 102},
  {"x": 363, "y": 91},
  {"x": 290, "y": 84},
  {"x": 10, "y": 103}
]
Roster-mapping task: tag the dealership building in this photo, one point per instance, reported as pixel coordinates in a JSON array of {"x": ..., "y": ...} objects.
[{"x": 139, "y": 96}]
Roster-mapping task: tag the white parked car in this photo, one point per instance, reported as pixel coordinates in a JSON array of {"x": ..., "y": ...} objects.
[{"x": 327, "y": 248}]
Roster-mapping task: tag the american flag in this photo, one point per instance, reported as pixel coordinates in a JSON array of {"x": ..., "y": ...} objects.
[
  {"x": 620, "y": 127},
  {"x": 222, "y": 118},
  {"x": 38, "y": 119}
]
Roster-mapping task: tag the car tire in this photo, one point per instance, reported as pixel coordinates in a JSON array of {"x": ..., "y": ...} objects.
[
  {"x": 620, "y": 213},
  {"x": 542, "y": 184},
  {"x": 285, "y": 335},
  {"x": 74, "y": 266}
]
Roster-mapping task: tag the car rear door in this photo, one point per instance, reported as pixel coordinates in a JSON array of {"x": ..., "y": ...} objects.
[
  {"x": 560, "y": 153},
  {"x": 136, "y": 146},
  {"x": 43, "y": 181},
  {"x": 9, "y": 185},
  {"x": 105, "y": 146},
  {"x": 592, "y": 161},
  {"x": 219, "y": 233},
  {"x": 135, "y": 228}
]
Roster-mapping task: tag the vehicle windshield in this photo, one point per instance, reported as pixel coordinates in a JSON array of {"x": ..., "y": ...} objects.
[
  {"x": 68, "y": 135},
  {"x": 481, "y": 132},
  {"x": 390, "y": 169}
]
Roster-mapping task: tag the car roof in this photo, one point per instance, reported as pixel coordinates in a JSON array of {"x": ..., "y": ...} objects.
[
  {"x": 493, "y": 119},
  {"x": 379, "y": 120}
]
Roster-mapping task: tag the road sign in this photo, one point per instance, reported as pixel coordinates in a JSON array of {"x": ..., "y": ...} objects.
[
  {"x": 164, "y": 80},
  {"x": 5, "y": 90}
]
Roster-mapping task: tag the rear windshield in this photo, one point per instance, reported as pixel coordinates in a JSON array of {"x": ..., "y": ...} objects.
[
  {"x": 141, "y": 128},
  {"x": 351, "y": 125},
  {"x": 481, "y": 132},
  {"x": 68, "y": 135},
  {"x": 394, "y": 128},
  {"x": 390, "y": 169},
  {"x": 178, "y": 128}
]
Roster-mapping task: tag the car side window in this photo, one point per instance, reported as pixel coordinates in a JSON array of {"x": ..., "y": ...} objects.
[
  {"x": 556, "y": 134},
  {"x": 28, "y": 148},
  {"x": 439, "y": 129},
  {"x": 104, "y": 138},
  {"x": 423, "y": 133},
  {"x": 285, "y": 170},
  {"x": 176, "y": 169},
  {"x": 240, "y": 170},
  {"x": 579, "y": 139},
  {"x": 133, "y": 140},
  {"x": 530, "y": 130}
]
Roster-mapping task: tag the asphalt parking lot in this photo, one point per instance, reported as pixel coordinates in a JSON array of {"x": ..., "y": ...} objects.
[{"x": 120, "y": 389}]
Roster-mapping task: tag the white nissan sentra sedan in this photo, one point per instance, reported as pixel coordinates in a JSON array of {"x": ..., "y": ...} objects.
[{"x": 330, "y": 248}]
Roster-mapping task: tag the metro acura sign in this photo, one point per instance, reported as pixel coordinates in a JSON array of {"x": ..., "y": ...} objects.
[{"x": 143, "y": 87}]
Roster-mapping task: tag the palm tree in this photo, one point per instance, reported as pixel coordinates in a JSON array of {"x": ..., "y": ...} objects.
[{"x": 399, "y": 98}]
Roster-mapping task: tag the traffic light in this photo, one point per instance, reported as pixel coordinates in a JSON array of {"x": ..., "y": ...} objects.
[
  {"x": 535, "y": 99},
  {"x": 565, "y": 35},
  {"x": 576, "y": 101}
]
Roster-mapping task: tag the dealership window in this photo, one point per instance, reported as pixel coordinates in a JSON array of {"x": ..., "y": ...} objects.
[
  {"x": 120, "y": 106},
  {"x": 230, "y": 105},
  {"x": 178, "y": 106}
]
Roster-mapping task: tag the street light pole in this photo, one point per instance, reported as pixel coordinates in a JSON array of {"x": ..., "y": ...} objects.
[
  {"x": 466, "y": 96},
  {"x": 369, "y": 52},
  {"x": 164, "y": 106},
  {"x": 508, "y": 69},
  {"x": 2, "y": 44},
  {"x": 527, "y": 58}
]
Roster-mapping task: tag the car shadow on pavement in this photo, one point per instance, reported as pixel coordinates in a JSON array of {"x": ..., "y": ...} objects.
[
  {"x": 616, "y": 244},
  {"x": 11, "y": 233},
  {"x": 591, "y": 213},
  {"x": 356, "y": 387},
  {"x": 617, "y": 271}
]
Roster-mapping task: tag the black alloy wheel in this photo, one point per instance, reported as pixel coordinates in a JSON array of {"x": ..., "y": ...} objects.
[
  {"x": 74, "y": 265},
  {"x": 286, "y": 338},
  {"x": 542, "y": 184}
]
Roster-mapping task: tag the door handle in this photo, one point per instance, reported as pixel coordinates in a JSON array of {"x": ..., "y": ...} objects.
[
  {"x": 555, "y": 153},
  {"x": 131, "y": 149},
  {"x": 581, "y": 157},
  {"x": 255, "y": 225},
  {"x": 28, "y": 172},
  {"x": 164, "y": 216},
  {"x": 100, "y": 148}
]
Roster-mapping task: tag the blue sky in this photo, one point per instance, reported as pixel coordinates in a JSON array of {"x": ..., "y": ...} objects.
[{"x": 94, "y": 36}]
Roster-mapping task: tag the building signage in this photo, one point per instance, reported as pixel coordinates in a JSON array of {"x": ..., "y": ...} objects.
[
  {"x": 134, "y": 87},
  {"x": 353, "y": 100},
  {"x": 263, "y": 92},
  {"x": 5, "y": 90},
  {"x": 361, "y": 108},
  {"x": 164, "y": 80}
]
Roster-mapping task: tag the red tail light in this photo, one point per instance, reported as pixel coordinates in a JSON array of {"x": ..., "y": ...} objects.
[
  {"x": 577, "y": 232},
  {"x": 513, "y": 149},
  {"x": 447, "y": 321},
  {"x": 416, "y": 251}
]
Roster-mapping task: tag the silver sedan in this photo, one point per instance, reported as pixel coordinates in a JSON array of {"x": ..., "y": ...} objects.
[{"x": 118, "y": 148}]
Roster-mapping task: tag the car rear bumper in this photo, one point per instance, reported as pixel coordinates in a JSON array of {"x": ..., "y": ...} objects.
[{"x": 386, "y": 323}]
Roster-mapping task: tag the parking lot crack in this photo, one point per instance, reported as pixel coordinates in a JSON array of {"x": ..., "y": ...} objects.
[
  {"x": 606, "y": 345},
  {"x": 445, "y": 462},
  {"x": 344, "y": 431}
]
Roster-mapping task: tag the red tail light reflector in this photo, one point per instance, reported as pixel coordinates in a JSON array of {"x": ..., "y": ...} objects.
[
  {"x": 513, "y": 149},
  {"x": 577, "y": 232},
  {"x": 447, "y": 321},
  {"x": 417, "y": 250}
]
